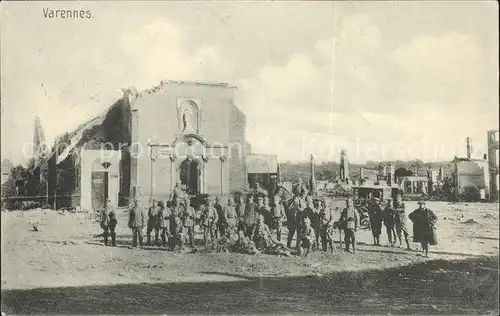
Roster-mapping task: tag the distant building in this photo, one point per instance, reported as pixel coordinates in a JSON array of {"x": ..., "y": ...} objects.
[
  {"x": 187, "y": 133},
  {"x": 416, "y": 185},
  {"x": 368, "y": 175},
  {"x": 262, "y": 169},
  {"x": 471, "y": 173}
]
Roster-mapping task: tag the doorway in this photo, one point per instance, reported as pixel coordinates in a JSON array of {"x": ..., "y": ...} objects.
[
  {"x": 99, "y": 189},
  {"x": 189, "y": 176}
]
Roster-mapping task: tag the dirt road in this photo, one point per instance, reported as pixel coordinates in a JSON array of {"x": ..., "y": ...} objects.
[{"x": 63, "y": 269}]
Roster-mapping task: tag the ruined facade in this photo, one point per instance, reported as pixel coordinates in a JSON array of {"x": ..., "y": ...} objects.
[
  {"x": 344, "y": 167},
  {"x": 188, "y": 133},
  {"x": 469, "y": 175},
  {"x": 493, "y": 162}
]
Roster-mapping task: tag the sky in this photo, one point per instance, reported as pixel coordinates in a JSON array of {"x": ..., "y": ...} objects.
[{"x": 382, "y": 80}]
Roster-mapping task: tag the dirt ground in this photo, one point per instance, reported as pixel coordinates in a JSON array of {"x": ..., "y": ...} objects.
[{"x": 64, "y": 269}]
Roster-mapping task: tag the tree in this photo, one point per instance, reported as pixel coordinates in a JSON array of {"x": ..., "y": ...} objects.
[
  {"x": 417, "y": 164},
  {"x": 18, "y": 179},
  {"x": 401, "y": 172}
]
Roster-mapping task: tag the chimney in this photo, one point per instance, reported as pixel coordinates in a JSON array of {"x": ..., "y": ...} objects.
[{"x": 469, "y": 147}]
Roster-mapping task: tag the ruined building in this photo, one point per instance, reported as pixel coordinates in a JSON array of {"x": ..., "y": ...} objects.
[
  {"x": 344, "y": 167},
  {"x": 187, "y": 133},
  {"x": 493, "y": 160},
  {"x": 471, "y": 175}
]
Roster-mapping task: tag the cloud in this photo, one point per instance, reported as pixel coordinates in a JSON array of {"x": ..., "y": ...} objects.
[
  {"x": 355, "y": 86},
  {"x": 449, "y": 56},
  {"x": 81, "y": 83}
]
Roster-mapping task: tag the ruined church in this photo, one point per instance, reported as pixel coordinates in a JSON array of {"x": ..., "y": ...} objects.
[{"x": 186, "y": 133}]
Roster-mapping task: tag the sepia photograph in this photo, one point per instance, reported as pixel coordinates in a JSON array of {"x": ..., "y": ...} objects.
[{"x": 249, "y": 157}]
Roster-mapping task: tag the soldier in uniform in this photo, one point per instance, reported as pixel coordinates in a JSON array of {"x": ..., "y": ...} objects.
[
  {"x": 261, "y": 233},
  {"x": 283, "y": 194},
  {"x": 108, "y": 223},
  {"x": 240, "y": 212},
  {"x": 221, "y": 223},
  {"x": 278, "y": 216},
  {"x": 226, "y": 242},
  {"x": 177, "y": 193},
  {"x": 178, "y": 235},
  {"x": 300, "y": 188},
  {"x": 315, "y": 220},
  {"x": 268, "y": 216},
  {"x": 389, "y": 222},
  {"x": 250, "y": 218},
  {"x": 152, "y": 216},
  {"x": 163, "y": 222},
  {"x": 400, "y": 221},
  {"x": 263, "y": 210},
  {"x": 309, "y": 209},
  {"x": 307, "y": 237},
  {"x": 294, "y": 216},
  {"x": 188, "y": 220},
  {"x": 209, "y": 220},
  {"x": 176, "y": 211},
  {"x": 230, "y": 216},
  {"x": 244, "y": 244},
  {"x": 258, "y": 191},
  {"x": 326, "y": 226},
  {"x": 350, "y": 221},
  {"x": 264, "y": 240},
  {"x": 136, "y": 223},
  {"x": 376, "y": 217}
]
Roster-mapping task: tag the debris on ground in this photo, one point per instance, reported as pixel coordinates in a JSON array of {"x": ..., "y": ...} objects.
[{"x": 471, "y": 221}]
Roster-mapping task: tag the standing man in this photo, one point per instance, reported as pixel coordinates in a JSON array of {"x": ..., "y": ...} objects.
[
  {"x": 263, "y": 210},
  {"x": 136, "y": 223},
  {"x": 350, "y": 218},
  {"x": 309, "y": 210},
  {"x": 176, "y": 209},
  {"x": 326, "y": 226},
  {"x": 163, "y": 222},
  {"x": 376, "y": 217},
  {"x": 300, "y": 188},
  {"x": 152, "y": 221},
  {"x": 424, "y": 221},
  {"x": 278, "y": 215},
  {"x": 400, "y": 221},
  {"x": 294, "y": 220},
  {"x": 177, "y": 193},
  {"x": 209, "y": 220},
  {"x": 230, "y": 216},
  {"x": 108, "y": 223},
  {"x": 188, "y": 220},
  {"x": 388, "y": 218},
  {"x": 315, "y": 220},
  {"x": 250, "y": 218},
  {"x": 221, "y": 223},
  {"x": 240, "y": 212},
  {"x": 258, "y": 191}
]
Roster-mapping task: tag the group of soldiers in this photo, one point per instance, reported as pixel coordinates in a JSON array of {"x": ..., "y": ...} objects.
[
  {"x": 255, "y": 222},
  {"x": 393, "y": 217}
]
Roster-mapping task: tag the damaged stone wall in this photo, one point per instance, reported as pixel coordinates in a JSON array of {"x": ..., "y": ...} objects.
[{"x": 113, "y": 133}]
